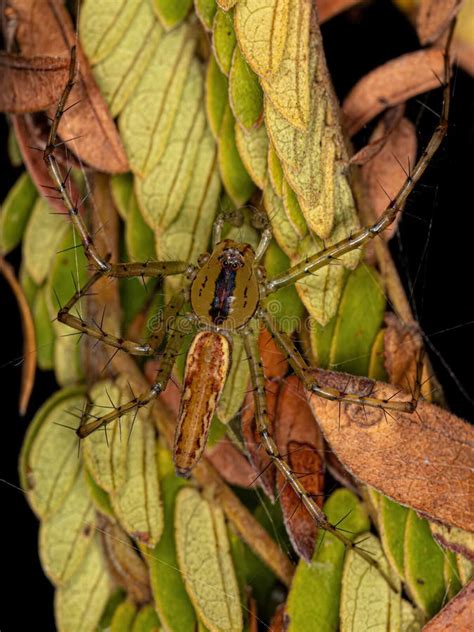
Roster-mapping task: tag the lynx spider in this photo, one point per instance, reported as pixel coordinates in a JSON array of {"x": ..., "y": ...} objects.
[{"x": 220, "y": 310}]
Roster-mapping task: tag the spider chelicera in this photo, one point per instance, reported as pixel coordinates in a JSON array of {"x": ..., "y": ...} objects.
[{"x": 227, "y": 291}]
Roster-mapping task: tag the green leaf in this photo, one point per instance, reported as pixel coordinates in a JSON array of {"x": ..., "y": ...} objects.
[
  {"x": 99, "y": 497},
  {"x": 147, "y": 120},
  {"x": 367, "y": 601},
  {"x": 136, "y": 497},
  {"x": 43, "y": 235},
  {"x": 216, "y": 96},
  {"x": 206, "y": 10},
  {"x": 16, "y": 211},
  {"x": 236, "y": 180},
  {"x": 376, "y": 369},
  {"x": 172, "y": 12},
  {"x": 226, "y": 4},
  {"x": 424, "y": 566},
  {"x": 48, "y": 461},
  {"x": 253, "y": 149},
  {"x": 146, "y": 620},
  {"x": 162, "y": 192},
  {"x": 124, "y": 616},
  {"x": 66, "y": 535},
  {"x": 171, "y": 599},
  {"x": 392, "y": 525},
  {"x": 118, "y": 73},
  {"x": 323, "y": 576},
  {"x": 283, "y": 231},
  {"x": 188, "y": 235},
  {"x": 321, "y": 340},
  {"x": 121, "y": 187},
  {"x": 284, "y": 305},
  {"x": 451, "y": 575},
  {"x": 236, "y": 385},
  {"x": 275, "y": 171},
  {"x": 45, "y": 338},
  {"x": 223, "y": 39},
  {"x": 293, "y": 210},
  {"x": 14, "y": 152},
  {"x": 103, "y": 24},
  {"x": 113, "y": 602},
  {"x": 29, "y": 287},
  {"x": 245, "y": 93},
  {"x": 80, "y": 602},
  {"x": 205, "y": 561},
  {"x": 139, "y": 237},
  {"x": 360, "y": 317}
]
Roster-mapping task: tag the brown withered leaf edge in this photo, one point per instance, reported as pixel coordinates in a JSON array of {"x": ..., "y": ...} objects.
[{"x": 424, "y": 460}]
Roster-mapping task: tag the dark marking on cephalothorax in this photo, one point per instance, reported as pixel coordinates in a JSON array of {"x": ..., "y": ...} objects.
[{"x": 231, "y": 260}]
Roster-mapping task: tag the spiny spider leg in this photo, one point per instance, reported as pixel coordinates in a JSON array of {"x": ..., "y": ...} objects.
[
  {"x": 303, "y": 371},
  {"x": 250, "y": 341},
  {"x": 120, "y": 271},
  {"x": 362, "y": 236},
  {"x": 172, "y": 350}
]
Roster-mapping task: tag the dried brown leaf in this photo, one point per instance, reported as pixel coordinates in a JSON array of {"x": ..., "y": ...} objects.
[
  {"x": 384, "y": 175},
  {"x": 327, "y": 9},
  {"x": 434, "y": 17},
  {"x": 402, "y": 346},
  {"x": 424, "y": 460},
  {"x": 390, "y": 84},
  {"x": 456, "y": 616},
  {"x": 44, "y": 27},
  {"x": 278, "y": 622},
  {"x": 231, "y": 464},
  {"x": 29, "y": 84},
  {"x": 274, "y": 361},
  {"x": 29, "y": 341},
  {"x": 380, "y": 136},
  {"x": 301, "y": 444}
]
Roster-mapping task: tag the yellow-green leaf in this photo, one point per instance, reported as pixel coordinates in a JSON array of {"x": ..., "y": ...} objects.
[
  {"x": 262, "y": 30},
  {"x": 424, "y": 566},
  {"x": 236, "y": 385},
  {"x": 146, "y": 620},
  {"x": 139, "y": 237},
  {"x": 367, "y": 600},
  {"x": 223, "y": 39},
  {"x": 288, "y": 88},
  {"x": 451, "y": 575},
  {"x": 80, "y": 602},
  {"x": 161, "y": 193},
  {"x": 136, "y": 500},
  {"x": 237, "y": 181},
  {"x": 392, "y": 525},
  {"x": 28, "y": 285},
  {"x": 66, "y": 535},
  {"x": 119, "y": 72},
  {"x": 206, "y": 563},
  {"x": 172, "y": 12},
  {"x": 16, "y": 211},
  {"x": 253, "y": 150},
  {"x": 99, "y": 496},
  {"x": 206, "y": 10},
  {"x": 121, "y": 187},
  {"x": 283, "y": 231},
  {"x": 147, "y": 119},
  {"x": 275, "y": 171},
  {"x": 124, "y": 616},
  {"x": 171, "y": 599},
  {"x": 45, "y": 338},
  {"x": 293, "y": 210},
  {"x": 14, "y": 152},
  {"x": 323, "y": 576},
  {"x": 226, "y": 4},
  {"x": 376, "y": 369},
  {"x": 67, "y": 356},
  {"x": 188, "y": 236},
  {"x": 43, "y": 235},
  {"x": 245, "y": 93},
  {"x": 103, "y": 24},
  {"x": 360, "y": 316},
  {"x": 49, "y": 457}
]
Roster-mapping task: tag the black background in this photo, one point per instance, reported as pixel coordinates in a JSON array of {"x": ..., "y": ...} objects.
[{"x": 437, "y": 238}]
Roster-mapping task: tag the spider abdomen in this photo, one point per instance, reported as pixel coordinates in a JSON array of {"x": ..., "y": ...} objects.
[{"x": 225, "y": 292}]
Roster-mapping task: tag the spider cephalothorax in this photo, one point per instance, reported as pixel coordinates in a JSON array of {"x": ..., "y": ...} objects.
[{"x": 225, "y": 291}]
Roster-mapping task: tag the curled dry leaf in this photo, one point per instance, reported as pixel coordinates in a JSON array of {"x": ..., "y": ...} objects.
[
  {"x": 457, "y": 615},
  {"x": 327, "y": 9},
  {"x": 30, "y": 84},
  {"x": 301, "y": 444},
  {"x": 384, "y": 175},
  {"x": 231, "y": 464},
  {"x": 434, "y": 17},
  {"x": 424, "y": 460},
  {"x": 275, "y": 364},
  {"x": 29, "y": 340},
  {"x": 402, "y": 346},
  {"x": 45, "y": 28},
  {"x": 390, "y": 84},
  {"x": 390, "y": 120}
]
